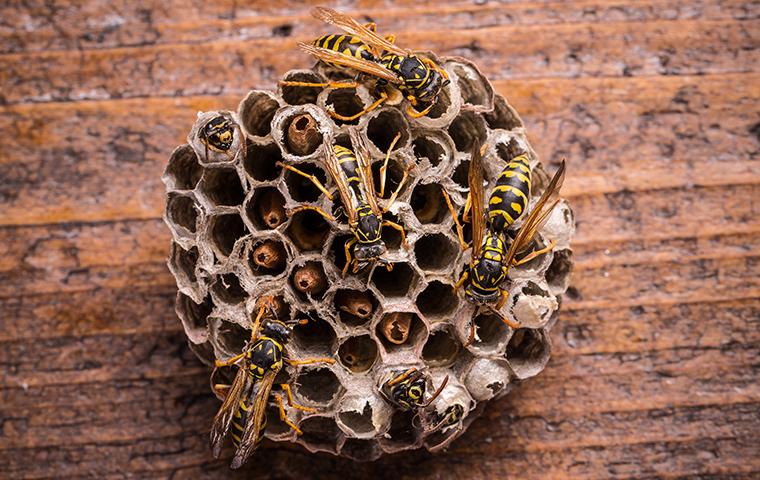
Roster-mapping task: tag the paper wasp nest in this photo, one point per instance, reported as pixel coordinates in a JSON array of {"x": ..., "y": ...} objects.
[{"x": 234, "y": 242}]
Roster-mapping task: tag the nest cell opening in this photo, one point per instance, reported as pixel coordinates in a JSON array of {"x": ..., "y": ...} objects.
[
  {"x": 461, "y": 173},
  {"x": 316, "y": 337},
  {"x": 261, "y": 161},
  {"x": 490, "y": 330},
  {"x": 437, "y": 301},
  {"x": 472, "y": 86},
  {"x": 318, "y": 386},
  {"x": 559, "y": 269},
  {"x": 358, "y": 422},
  {"x": 358, "y": 354},
  {"x": 345, "y": 102},
  {"x": 321, "y": 433},
  {"x": 383, "y": 128},
  {"x": 268, "y": 258},
  {"x": 435, "y": 252},
  {"x": 502, "y": 116},
  {"x": 181, "y": 211},
  {"x": 184, "y": 261},
  {"x": 222, "y": 187},
  {"x": 527, "y": 349},
  {"x": 392, "y": 237},
  {"x": 398, "y": 330},
  {"x": 309, "y": 280},
  {"x": 429, "y": 147},
  {"x": 184, "y": 170},
  {"x": 226, "y": 230},
  {"x": 256, "y": 113},
  {"x": 468, "y": 130},
  {"x": 508, "y": 151},
  {"x": 535, "y": 244},
  {"x": 232, "y": 337},
  {"x": 301, "y": 188},
  {"x": 428, "y": 203},
  {"x": 266, "y": 209},
  {"x": 393, "y": 175},
  {"x": 402, "y": 430},
  {"x": 532, "y": 288},
  {"x": 275, "y": 426},
  {"x": 441, "y": 348},
  {"x": 442, "y": 103},
  {"x": 308, "y": 230},
  {"x": 195, "y": 314},
  {"x": 359, "y": 449},
  {"x": 228, "y": 290},
  {"x": 354, "y": 307},
  {"x": 338, "y": 250},
  {"x": 394, "y": 283},
  {"x": 300, "y": 95}
]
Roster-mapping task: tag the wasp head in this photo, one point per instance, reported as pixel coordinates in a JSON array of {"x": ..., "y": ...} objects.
[
  {"x": 277, "y": 330},
  {"x": 219, "y": 133},
  {"x": 370, "y": 246},
  {"x": 409, "y": 392}
]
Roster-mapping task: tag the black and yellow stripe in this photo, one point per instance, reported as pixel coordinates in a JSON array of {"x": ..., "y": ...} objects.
[
  {"x": 350, "y": 167},
  {"x": 415, "y": 74},
  {"x": 347, "y": 45},
  {"x": 510, "y": 196}
]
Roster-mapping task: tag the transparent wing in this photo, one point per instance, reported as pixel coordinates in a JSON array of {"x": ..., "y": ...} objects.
[
  {"x": 365, "y": 169},
  {"x": 360, "y": 64},
  {"x": 333, "y": 168},
  {"x": 477, "y": 207},
  {"x": 538, "y": 215},
  {"x": 254, "y": 425},
  {"x": 223, "y": 417},
  {"x": 350, "y": 25}
]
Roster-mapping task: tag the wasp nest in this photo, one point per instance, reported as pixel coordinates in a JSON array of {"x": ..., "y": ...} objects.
[{"x": 234, "y": 242}]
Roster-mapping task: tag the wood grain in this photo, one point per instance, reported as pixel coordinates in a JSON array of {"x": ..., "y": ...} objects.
[{"x": 654, "y": 104}]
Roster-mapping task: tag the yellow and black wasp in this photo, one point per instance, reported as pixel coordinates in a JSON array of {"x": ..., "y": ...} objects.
[
  {"x": 218, "y": 134},
  {"x": 405, "y": 389},
  {"x": 246, "y": 400},
  {"x": 491, "y": 259},
  {"x": 352, "y": 174},
  {"x": 399, "y": 72}
]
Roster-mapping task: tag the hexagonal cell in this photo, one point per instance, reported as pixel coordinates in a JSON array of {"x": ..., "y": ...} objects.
[
  {"x": 358, "y": 354},
  {"x": 358, "y": 422},
  {"x": 487, "y": 378},
  {"x": 461, "y": 174},
  {"x": 226, "y": 288},
  {"x": 182, "y": 212},
  {"x": 309, "y": 280},
  {"x": 183, "y": 171},
  {"x": 301, "y": 188},
  {"x": 276, "y": 427},
  {"x": 435, "y": 252},
  {"x": 394, "y": 283},
  {"x": 266, "y": 209},
  {"x": 231, "y": 337},
  {"x": 402, "y": 432},
  {"x": 441, "y": 348},
  {"x": 468, "y": 130},
  {"x": 393, "y": 176},
  {"x": 428, "y": 203},
  {"x": 345, "y": 102},
  {"x": 509, "y": 149},
  {"x": 354, "y": 307},
  {"x": 320, "y": 433},
  {"x": 183, "y": 262},
  {"x": 316, "y": 337},
  {"x": 261, "y": 161},
  {"x": 528, "y": 351},
  {"x": 360, "y": 450},
  {"x": 490, "y": 331},
  {"x": 442, "y": 107},
  {"x": 267, "y": 257},
  {"x": 438, "y": 301},
  {"x": 383, "y": 127},
  {"x": 308, "y": 230},
  {"x": 221, "y": 186},
  {"x": 294, "y": 95},
  {"x": 256, "y": 112},
  {"x": 431, "y": 146},
  {"x": 537, "y": 263},
  {"x": 503, "y": 115},
  {"x": 558, "y": 273},
  {"x": 204, "y": 351},
  {"x": 531, "y": 304},
  {"x": 390, "y": 236},
  {"x": 397, "y": 330},
  {"x": 337, "y": 250},
  {"x": 225, "y": 231},
  {"x": 318, "y": 386},
  {"x": 475, "y": 90},
  {"x": 194, "y": 316}
]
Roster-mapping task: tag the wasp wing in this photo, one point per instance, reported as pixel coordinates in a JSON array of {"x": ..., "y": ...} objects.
[
  {"x": 477, "y": 207},
  {"x": 360, "y": 64},
  {"x": 350, "y": 25},
  {"x": 538, "y": 215},
  {"x": 255, "y": 421},
  {"x": 223, "y": 417},
  {"x": 332, "y": 165},
  {"x": 363, "y": 158}
]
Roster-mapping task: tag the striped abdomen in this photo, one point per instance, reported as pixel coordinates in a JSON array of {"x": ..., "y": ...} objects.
[
  {"x": 350, "y": 168},
  {"x": 239, "y": 420},
  {"x": 346, "y": 44},
  {"x": 509, "y": 197}
]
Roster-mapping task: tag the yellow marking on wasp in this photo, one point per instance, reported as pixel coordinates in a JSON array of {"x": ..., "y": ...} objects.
[
  {"x": 516, "y": 207},
  {"x": 238, "y": 414},
  {"x": 512, "y": 173},
  {"x": 352, "y": 179},
  {"x": 509, "y": 188},
  {"x": 236, "y": 438},
  {"x": 238, "y": 426},
  {"x": 521, "y": 166},
  {"x": 417, "y": 75},
  {"x": 243, "y": 406},
  {"x": 355, "y": 40},
  {"x": 347, "y": 51},
  {"x": 327, "y": 41},
  {"x": 503, "y": 213},
  {"x": 495, "y": 200}
]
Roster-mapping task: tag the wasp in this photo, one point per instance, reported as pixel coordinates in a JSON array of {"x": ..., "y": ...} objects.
[
  {"x": 400, "y": 73},
  {"x": 494, "y": 249},
  {"x": 352, "y": 174},
  {"x": 218, "y": 134},
  {"x": 246, "y": 399},
  {"x": 405, "y": 389}
]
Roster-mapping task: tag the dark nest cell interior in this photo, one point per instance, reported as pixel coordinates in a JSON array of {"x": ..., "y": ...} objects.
[
  {"x": 256, "y": 113},
  {"x": 182, "y": 211},
  {"x": 383, "y": 128},
  {"x": 308, "y": 230},
  {"x": 261, "y": 161},
  {"x": 222, "y": 187},
  {"x": 359, "y": 422},
  {"x": 315, "y": 336},
  {"x": 435, "y": 252},
  {"x": 301, "y": 188},
  {"x": 345, "y": 102},
  {"x": 428, "y": 203},
  {"x": 526, "y": 346},
  {"x": 358, "y": 354},
  {"x": 318, "y": 385},
  {"x": 438, "y": 300},
  {"x": 196, "y": 314},
  {"x": 226, "y": 230},
  {"x": 490, "y": 329},
  {"x": 394, "y": 283},
  {"x": 301, "y": 95},
  {"x": 441, "y": 348},
  {"x": 266, "y": 209},
  {"x": 184, "y": 169},
  {"x": 227, "y": 289}
]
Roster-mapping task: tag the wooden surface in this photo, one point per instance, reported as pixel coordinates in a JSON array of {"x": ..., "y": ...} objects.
[{"x": 654, "y": 104}]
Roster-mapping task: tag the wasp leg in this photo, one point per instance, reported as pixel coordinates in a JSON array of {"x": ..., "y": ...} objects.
[
  {"x": 471, "y": 337},
  {"x": 497, "y": 310},
  {"x": 535, "y": 254},
  {"x": 401, "y": 377},
  {"x": 291, "y": 403},
  {"x": 378, "y": 102},
  {"x": 467, "y": 207},
  {"x": 308, "y": 361},
  {"x": 371, "y": 26},
  {"x": 391, "y": 38},
  {"x": 284, "y": 416},
  {"x": 384, "y": 168},
  {"x": 460, "y": 230},
  {"x": 221, "y": 389},
  {"x": 257, "y": 322},
  {"x": 231, "y": 361},
  {"x": 313, "y": 179},
  {"x": 388, "y": 223},
  {"x": 438, "y": 391},
  {"x": 395, "y": 193},
  {"x": 415, "y": 114},
  {"x": 347, "y": 249},
  {"x": 341, "y": 84},
  {"x": 434, "y": 66},
  {"x": 462, "y": 279},
  {"x": 299, "y": 208}
]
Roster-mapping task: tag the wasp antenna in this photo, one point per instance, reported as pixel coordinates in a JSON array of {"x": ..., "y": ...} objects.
[{"x": 438, "y": 392}]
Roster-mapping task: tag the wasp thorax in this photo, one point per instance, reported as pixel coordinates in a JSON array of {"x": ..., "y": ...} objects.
[{"x": 277, "y": 330}]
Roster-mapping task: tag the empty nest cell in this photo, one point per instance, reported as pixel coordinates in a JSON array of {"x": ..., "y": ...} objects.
[
  {"x": 256, "y": 112},
  {"x": 396, "y": 282},
  {"x": 225, "y": 231},
  {"x": 194, "y": 316},
  {"x": 431, "y": 147},
  {"x": 314, "y": 337},
  {"x": 491, "y": 331},
  {"x": 435, "y": 252},
  {"x": 438, "y": 301},
  {"x": 398, "y": 330},
  {"x": 346, "y": 103},
  {"x": 266, "y": 209},
  {"x": 428, "y": 203},
  {"x": 182, "y": 211},
  {"x": 308, "y": 230},
  {"x": 183, "y": 171},
  {"x": 309, "y": 280},
  {"x": 301, "y": 188},
  {"x": 461, "y": 173},
  {"x": 383, "y": 128},
  {"x": 295, "y": 95},
  {"x": 402, "y": 430},
  {"x": 354, "y": 307},
  {"x": 390, "y": 236},
  {"x": 358, "y": 353},
  {"x": 338, "y": 252},
  {"x": 320, "y": 433},
  {"x": 221, "y": 186},
  {"x": 231, "y": 337},
  {"x": 468, "y": 130},
  {"x": 183, "y": 262},
  {"x": 393, "y": 175},
  {"x": 318, "y": 386},
  {"x": 528, "y": 351},
  {"x": 227, "y": 289},
  {"x": 441, "y": 348},
  {"x": 475, "y": 90},
  {"x": 558, "y": 273},
  {"x": 267, "y": 257},
  {"x": 359, "y": 449},
  {"x": 275, "y": 426},
  {"x": 261, "y": 161},
  {"x": 358, "y": 422},
  {"x": 502, "y": 116}
]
